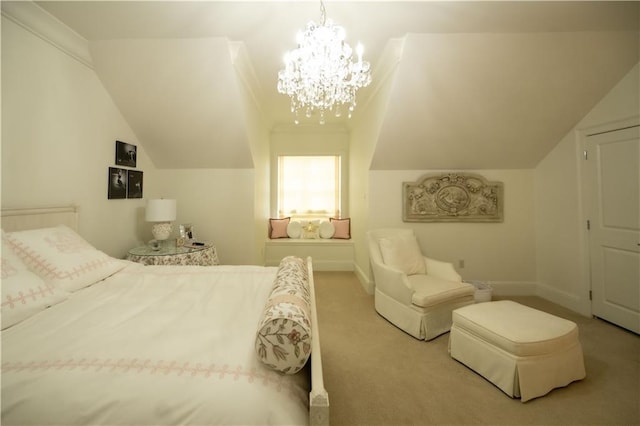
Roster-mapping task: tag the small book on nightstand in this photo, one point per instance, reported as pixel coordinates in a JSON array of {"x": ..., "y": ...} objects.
[{"x": 195, "y": 244}]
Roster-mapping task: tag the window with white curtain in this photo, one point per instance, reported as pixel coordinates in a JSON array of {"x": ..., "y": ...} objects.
[{"x": 309, "y": 186}]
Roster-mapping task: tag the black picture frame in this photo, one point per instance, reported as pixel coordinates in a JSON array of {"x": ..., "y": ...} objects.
[
  {"x": 117, "y": 183},
  {"x": 134, "y": 184},
  {"x": 126, "y": 154}
]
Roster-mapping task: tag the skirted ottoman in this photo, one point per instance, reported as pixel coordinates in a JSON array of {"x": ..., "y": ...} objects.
[{"x": 523, "y": 351}]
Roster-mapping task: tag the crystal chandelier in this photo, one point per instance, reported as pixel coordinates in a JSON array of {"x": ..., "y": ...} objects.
[{"x": 320, "y": 75}]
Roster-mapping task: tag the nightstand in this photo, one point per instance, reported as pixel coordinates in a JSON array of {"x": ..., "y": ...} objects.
[{"x": 169, "y": 254}]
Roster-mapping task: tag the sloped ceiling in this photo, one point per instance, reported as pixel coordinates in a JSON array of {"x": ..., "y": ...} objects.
[
  {"x": 180, "y": 97},
  {"x": 478, "y": 84},
  {"x": 495, "y": 100}
]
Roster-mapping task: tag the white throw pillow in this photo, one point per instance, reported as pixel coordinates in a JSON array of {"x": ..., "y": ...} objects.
[
  {"x": 403, "y": 253},
  {"x": 23, "y": 292},
  {"x": 327, "y": 230},
  {"x": 62, "y": 257},
  {"x": 294, "y": 229}
]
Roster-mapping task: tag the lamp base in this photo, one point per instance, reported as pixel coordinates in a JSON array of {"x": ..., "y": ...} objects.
[{"x": 161, "y": 230}]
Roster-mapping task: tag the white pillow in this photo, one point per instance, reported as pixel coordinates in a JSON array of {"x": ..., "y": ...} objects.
[
  {"x": 23, "y": 292},
  {"x": 403, "y": 253},
  {"x": 294, "y": 229},
  {"x": 62, "y": 257},
  {"x": 327, "y": 230}
]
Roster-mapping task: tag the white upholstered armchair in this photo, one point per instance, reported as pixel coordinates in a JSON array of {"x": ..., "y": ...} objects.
[{"x": 415, "y": 293}]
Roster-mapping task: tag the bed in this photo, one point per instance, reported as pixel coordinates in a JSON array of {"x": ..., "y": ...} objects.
[{"x": 161, "y": 345}]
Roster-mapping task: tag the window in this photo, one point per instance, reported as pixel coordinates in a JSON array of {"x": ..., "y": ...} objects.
[{"x": 309, "y": 186}]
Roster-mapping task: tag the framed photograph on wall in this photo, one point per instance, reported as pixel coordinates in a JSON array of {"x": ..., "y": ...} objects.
[
  {"x": 117, "y": 183},
  {"x": 134, "y": 184},
  {"x": 126, "y": 154}
]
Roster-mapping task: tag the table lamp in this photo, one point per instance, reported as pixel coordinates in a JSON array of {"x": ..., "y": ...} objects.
[{"x": 162, "y": 212}]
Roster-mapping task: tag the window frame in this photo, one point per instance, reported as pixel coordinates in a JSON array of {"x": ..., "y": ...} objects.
[
  {"x": 312, "y": 215},
  {"x": 322, "y": 148}
]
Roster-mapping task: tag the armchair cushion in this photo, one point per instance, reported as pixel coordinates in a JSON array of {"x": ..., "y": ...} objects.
[
  {"x": 403, "y": 253},
  {"x": 431, "y": 291}
]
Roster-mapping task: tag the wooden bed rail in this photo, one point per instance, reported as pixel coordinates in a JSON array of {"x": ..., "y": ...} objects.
[{"x": 318, "y": 397}]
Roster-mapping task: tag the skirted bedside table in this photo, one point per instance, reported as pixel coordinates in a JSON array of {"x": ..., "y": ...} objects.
[{"x": 169, "y": 254}]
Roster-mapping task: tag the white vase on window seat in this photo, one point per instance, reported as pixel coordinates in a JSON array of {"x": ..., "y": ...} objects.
[{"x": 415, "y": 293}]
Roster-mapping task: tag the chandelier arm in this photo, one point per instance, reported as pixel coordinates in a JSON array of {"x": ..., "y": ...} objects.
[{"x": 323, "y": 13}]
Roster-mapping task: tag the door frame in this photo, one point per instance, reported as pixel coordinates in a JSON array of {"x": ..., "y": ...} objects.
[{"x": 585, "y": 195}]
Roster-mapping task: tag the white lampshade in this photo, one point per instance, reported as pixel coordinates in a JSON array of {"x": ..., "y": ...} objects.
[{"x": 160, "y": 210}]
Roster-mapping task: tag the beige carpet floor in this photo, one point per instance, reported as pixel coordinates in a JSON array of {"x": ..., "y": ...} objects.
[{"x": 378, "y": 375}]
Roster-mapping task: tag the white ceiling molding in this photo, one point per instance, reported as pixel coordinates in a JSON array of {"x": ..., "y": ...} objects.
[
  {"x": 382, "y": 72},
  {"x": 242, "y": 64},
  {"x": 44, "y": 25}
]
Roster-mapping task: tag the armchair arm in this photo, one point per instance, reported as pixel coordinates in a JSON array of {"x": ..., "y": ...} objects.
[
  {"x": 440, "y": 269},
  {"x": 392, "y": 282}
]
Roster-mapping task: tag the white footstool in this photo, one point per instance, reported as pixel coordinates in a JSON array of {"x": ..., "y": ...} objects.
[{"x": 523, "y": 351}]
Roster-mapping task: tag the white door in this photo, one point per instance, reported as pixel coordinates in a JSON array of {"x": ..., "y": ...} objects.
[{"x": 613, "y": 174}]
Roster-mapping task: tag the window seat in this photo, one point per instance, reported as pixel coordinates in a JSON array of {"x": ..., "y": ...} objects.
[{"x": 327, "y": 254}]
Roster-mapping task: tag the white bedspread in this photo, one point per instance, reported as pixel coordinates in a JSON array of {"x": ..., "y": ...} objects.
[{"x": 152, "y": 345}]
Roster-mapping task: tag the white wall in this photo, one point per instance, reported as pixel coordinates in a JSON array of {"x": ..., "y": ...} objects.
[
  {"x": 561, "y": 236},
  {"x": 309, "y": 140},
  {"x": 258, "y": 136},
  {"x": 58, "y": 140},
  {"x": 219, "y": 203},
  {"x": 368, "y": 119},
  {"x": 228, "y": 207},
  {"x": 540, "y": 247},
  {"x": 500, "y": 253},
  {"x": 59, "y": 128}
]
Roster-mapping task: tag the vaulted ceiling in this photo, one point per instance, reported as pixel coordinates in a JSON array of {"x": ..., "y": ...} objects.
[{"x": 472, "y": 84}]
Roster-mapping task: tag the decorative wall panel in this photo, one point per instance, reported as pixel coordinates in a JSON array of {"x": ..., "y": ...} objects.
[{"x": 452, "y": 197}]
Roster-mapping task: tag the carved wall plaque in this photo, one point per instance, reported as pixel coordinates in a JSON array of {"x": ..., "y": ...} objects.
[{"x": 452, "y": 197}]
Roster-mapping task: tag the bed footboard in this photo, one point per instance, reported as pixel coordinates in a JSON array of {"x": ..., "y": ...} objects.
[{"x": 318, "y": 397}]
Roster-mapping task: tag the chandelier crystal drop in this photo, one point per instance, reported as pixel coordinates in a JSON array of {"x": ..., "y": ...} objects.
[{"x": 319, "y": 75}]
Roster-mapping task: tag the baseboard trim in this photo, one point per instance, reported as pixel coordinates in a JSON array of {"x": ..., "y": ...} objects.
[
  {"x": 513, "y": 288},
  {"x": 366, "y": 283},
  {"x": 500, "y": 288},
  {"x": 574, "y": 302}
]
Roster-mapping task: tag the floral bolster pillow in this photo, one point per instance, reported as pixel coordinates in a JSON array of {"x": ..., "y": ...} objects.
[{"x": 283, "y": 340}]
